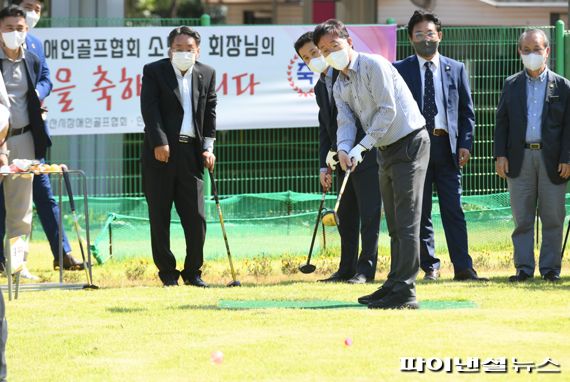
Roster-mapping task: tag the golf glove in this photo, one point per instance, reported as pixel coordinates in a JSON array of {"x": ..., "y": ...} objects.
[
  {"x": 355, "y": 154},
  {"x": 332, "y": 159}
]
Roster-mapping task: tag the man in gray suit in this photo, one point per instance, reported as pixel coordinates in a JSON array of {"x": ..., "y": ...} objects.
[{"x": 532, "y": 151}]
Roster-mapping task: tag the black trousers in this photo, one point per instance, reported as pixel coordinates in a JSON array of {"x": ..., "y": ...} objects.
[
  {"x": 359, "y": 212},
  {"x": 180, "y": 182}
]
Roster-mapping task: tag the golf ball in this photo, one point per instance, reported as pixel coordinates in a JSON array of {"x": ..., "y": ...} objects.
[
  {"x": 217, "y": 357},
  {"x": 347, "y": 341}
]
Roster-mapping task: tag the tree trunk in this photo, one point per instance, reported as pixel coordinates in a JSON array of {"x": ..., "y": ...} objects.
[{"x": 173, "y": 9}]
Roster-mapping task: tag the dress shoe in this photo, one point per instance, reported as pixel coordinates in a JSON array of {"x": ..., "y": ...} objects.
[
  {"x": 376, "y": 295},
  {"x": 195, "y": 281},
  {"x": 519, "y": 277},
  {"x": 69, "y": 263},
  {"x": 334, "y": 278},
  {"x": 359, "y": 278},
  {"x": 551, "y": 276},
  {"x": 170, "y": 283},
  {"x": 468, "y": 274},
  {"x": 395, "y": 301},
  {"x": 431, "y": 275}
]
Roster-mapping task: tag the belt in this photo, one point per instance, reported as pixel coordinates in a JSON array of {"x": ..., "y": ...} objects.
[
  {"x": 439, "y": 133},
  {"x": 533, "y": 146},
  {"x": 20, "y": 131},
  {"x": 382, "y": 148},
  {"x": 185, "y": 139}
]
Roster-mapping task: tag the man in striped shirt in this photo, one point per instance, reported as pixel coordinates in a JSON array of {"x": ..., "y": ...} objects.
[{"x": 370, "y": 89}]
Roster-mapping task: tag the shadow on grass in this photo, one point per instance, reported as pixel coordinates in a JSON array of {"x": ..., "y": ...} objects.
[{"x": 122, "y": 309}]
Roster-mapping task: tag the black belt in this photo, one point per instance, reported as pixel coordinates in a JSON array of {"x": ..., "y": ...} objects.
[
  {"x": 185, "y": 139},
  {"x": 533, "y": 146},
  {"x": 413, "y": 133},
  {"x": 20, "y": 131}
]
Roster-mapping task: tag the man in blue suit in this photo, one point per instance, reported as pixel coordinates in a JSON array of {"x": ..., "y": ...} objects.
[
  {"x": 46, "y": 206},
  {"x": 441, "y": 88}
]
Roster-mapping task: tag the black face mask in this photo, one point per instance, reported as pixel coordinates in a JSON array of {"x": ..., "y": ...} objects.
[{"x": 426, "y": 48}]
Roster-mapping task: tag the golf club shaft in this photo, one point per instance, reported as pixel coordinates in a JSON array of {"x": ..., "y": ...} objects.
[
  {"x": 342, "y": 187},
  {"x": 316, "y": 226},
  {"x": 76, "y": 223},
  {"x": 221, "y": 216}
]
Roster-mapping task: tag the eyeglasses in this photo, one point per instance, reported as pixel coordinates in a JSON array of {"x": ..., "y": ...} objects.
[{"x": 422, "y": 35}]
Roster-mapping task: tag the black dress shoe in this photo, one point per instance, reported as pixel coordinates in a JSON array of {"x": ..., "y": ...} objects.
[
  {"x": 551, "y": 276},
  {"x": 170, "y": 283},
  {"x": 359, "y": 278},
  {"x": 395, "y": 301},
  {"x": 195, "y": 281},
  {"x": 334, "y": 278},
  {"x": 69, "y": 263},
  {"x": 520, "y": 277},
  {"x": 468, "y": 275},
  {"x": 431, "y": 275},
  {"x": 376, "y": 295}
]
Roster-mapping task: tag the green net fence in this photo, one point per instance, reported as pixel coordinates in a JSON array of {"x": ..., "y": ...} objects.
[{"x": 273, "y": 225}]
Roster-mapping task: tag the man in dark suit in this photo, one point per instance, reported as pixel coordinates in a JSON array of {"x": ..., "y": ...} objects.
[
  {"x": 441, "y": 89},
  {"x": 46, "y": 206},
  {"x": 361, "y": 203},
  {"x": 532, "y": 151},
  {"x": 178, "y": 104},
  {"x": 28, "y": 137}
]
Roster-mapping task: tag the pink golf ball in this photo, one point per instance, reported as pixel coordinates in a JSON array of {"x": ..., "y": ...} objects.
[
  {"x": 217, "y": 357},
  {"x": 347, "y": 341}
]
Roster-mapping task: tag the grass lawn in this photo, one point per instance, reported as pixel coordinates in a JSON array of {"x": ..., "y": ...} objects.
[{"x": 134, "y": 330}]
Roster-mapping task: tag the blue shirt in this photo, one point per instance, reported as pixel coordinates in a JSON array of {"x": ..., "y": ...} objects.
[{"x": 535, "y": 96}]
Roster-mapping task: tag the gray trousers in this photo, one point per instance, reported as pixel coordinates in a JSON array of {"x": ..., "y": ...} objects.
[
  {"x": 402, "y": 172},
  {"x": 18, "y": 189},
  {"x": 533, "y": 189}
]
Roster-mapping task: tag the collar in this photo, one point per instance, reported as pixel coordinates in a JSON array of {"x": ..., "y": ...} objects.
[
  {"x": 354, "y": 63},
  {"x": 179, "y": 73},
  {"x": 434, "y": 60},
  {"x": 3, "y": 55},
  {"x": 541, "y": 77}
]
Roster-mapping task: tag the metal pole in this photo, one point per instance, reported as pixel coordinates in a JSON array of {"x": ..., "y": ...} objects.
[{"x": 560, "y": 47}]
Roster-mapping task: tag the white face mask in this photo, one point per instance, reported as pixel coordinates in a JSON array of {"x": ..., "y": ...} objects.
[
  {"x": 32, "y": 19},
  {"x": 14, "y": 39},
  {"x": 183, "y": 60},
  {"x": 533, "y": 61},
  {"x": 339, "y": 59},
  {"x": 317, "y": 64}
]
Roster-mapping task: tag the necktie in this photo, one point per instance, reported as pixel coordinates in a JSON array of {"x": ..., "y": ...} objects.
[{"x": 430, "y": 109}]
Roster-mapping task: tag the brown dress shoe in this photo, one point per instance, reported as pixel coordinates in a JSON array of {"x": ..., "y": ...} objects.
[{"x": 69, "y": 263}]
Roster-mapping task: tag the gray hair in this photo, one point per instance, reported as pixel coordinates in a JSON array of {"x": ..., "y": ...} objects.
[{"x": 534, "y": 31}]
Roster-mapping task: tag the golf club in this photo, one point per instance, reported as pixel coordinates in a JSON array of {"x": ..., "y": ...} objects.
[
  {"x": 235, "y": 282},
  {"x": 308, "y": 267},
  {"x": 329, "y": 220},
  {"x": 77, "y": 227}
]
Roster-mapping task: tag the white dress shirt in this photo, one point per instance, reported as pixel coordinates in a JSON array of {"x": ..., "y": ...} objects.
[
  {"x": 187, "y": 128},
  {"x": 440, "y": 117}
]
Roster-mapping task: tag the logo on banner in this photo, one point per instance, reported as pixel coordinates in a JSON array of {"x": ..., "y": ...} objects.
[{"x": 301, "y": 79}]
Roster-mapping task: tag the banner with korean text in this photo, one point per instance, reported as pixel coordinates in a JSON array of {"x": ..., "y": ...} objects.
[{"x": 261, "y": 83}]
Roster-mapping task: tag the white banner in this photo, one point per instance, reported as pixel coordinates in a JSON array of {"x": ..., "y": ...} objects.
[{"x": 261, "y": 83}]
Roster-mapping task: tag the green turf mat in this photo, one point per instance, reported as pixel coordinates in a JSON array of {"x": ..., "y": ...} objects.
[{"x": 331, "y": 304}]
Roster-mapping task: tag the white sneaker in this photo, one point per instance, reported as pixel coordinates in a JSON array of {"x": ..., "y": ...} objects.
[{"x": 25, "y": 273}]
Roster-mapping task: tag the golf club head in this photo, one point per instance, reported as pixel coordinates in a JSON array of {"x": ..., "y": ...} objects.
[
  {"x": 90, "y": 286},
  {"x": 328, "y": 218},
  {"x": 307, "y": 268},
  {"x": 234, "y": 283}
]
